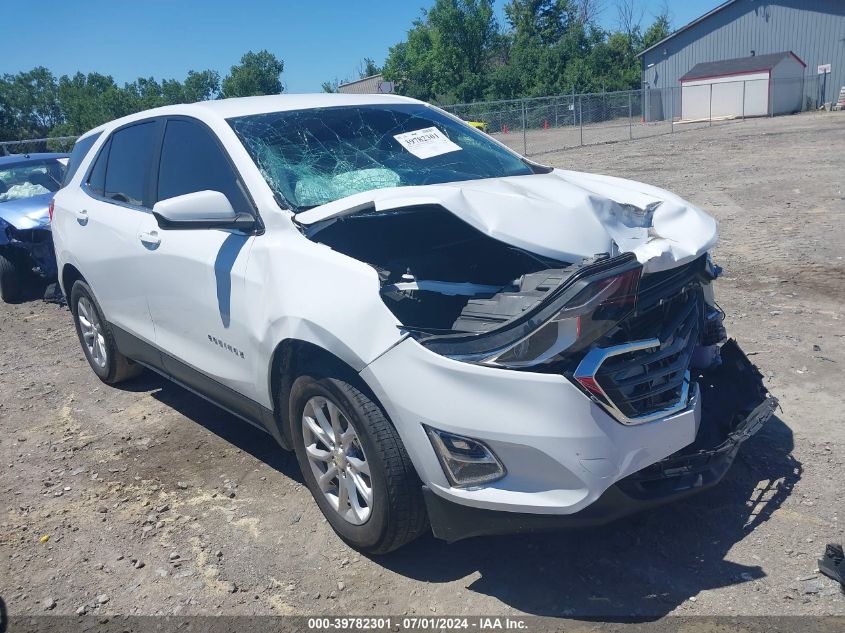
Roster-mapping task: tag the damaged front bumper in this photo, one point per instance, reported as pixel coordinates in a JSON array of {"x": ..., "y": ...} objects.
[
  {"x": 734, "y": 406},
  {"x": 30, "y": 248}
]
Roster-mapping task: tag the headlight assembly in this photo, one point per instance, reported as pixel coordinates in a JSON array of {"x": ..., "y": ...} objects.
[{"x": 586, "y": 305}]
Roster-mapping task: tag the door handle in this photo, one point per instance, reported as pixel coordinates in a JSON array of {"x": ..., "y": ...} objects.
[
  {"x": 150, "y": 238},
  {"x": 82, "y": 216}
]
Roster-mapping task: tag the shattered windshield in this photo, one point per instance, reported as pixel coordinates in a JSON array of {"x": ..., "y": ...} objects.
[
  {"x": 311, "y": 157},
  {"x": 29, "y": 179}
]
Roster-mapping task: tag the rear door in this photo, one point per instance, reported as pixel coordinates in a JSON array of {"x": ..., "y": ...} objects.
[
  {"x": 196, "y": 276},
  {"x": 106, "y": 243}
]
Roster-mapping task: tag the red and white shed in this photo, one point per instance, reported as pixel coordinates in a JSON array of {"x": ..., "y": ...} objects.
[{"x": 759, "y": 85}]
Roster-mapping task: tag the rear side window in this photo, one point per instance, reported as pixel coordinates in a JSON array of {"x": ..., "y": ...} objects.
[
  {"x": 97, "y": 177},
  {"x": 192, "y": 160},
  {"x": 80, "y": 151},
  {"x": 129, "y": 163}
]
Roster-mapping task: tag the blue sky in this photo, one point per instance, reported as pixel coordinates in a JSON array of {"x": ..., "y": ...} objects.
[{"x": 318, "y": 40}]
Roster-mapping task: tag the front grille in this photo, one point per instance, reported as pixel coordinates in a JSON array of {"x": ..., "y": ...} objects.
[{"x": 642, "y": 383}]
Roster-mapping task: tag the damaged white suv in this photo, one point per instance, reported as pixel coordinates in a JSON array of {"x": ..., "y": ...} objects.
[{"x": 446, "y": 334}]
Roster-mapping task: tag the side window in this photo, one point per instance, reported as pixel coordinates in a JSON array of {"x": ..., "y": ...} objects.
[
  {"x": 192, "y": 160},
  {"x": 97, "y": 177},
  {"x": 130, "y": 161},
  {"x": 80, "y": 150}
]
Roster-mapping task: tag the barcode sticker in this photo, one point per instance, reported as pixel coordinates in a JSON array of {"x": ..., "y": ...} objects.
[{"x": 426, "y": 143}]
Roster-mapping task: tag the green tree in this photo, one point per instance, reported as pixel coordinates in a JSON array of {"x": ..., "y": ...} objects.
[
  {"x": 368, "y": 68},
  {"x": 660, "y": 29},
  {"x": 29, "y": 103},
  {"x": 546, "y": 40},
  {"x": 455, "y": 51},
  {"x": 256, "y": 74},
  {"x": 201, "y": 86},
  {"x": 409, "y": 63},
  {"x": 91, "y": 100},
  {"x": 448, "y": 52},
  {"x": 546, "y": 20}
]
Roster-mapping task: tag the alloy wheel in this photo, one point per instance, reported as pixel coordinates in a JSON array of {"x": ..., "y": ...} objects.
[
  {"x": 92, "y": 332},
  {"x": 337, "y": 460}
]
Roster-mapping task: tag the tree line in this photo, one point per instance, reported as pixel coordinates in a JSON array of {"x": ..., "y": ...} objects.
[
  {"x": 454, "y": 52},
  {"x": 36, "y": 104},
  {"x": 457, "y": 51}
]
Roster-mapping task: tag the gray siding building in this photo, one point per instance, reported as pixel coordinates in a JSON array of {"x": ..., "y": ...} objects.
[{"x": 814, "y": 30}]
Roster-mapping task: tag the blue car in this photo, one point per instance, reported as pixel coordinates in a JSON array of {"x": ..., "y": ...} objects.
[{"x": 27, "y": 185}]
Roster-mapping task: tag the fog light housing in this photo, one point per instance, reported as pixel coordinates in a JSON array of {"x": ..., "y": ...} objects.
[{"x": 466, "y": 462}]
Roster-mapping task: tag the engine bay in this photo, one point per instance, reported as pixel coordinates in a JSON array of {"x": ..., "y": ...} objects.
[{"x": 438, "y": 273}]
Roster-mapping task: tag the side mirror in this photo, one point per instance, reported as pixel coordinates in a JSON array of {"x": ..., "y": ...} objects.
[{"x": 200, "y": 210}]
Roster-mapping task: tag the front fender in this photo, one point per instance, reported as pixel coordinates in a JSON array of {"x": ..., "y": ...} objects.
[{"x": 307, "y": 331}]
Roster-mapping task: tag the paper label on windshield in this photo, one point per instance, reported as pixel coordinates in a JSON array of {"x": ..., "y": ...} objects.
[{"x": 426, "y": 143}]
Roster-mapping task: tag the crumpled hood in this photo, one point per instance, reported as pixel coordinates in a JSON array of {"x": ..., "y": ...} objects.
[
  {"x": 564, "y": 215},
  {"x": 27, "y": 213}
]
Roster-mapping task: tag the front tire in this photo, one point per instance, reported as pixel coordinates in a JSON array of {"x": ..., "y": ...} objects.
[
  {"x": 355, "y": 465},
  {"x": 97, "y": 339},
  {"x": 11, "y": 281}
]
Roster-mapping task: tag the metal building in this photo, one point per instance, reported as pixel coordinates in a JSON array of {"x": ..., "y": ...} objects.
[
  {"x": 374, "y": 84},
  {"x": 814, "y": 30}
]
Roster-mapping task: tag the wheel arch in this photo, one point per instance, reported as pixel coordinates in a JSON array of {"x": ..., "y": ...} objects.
[
  {"x": 70, "y": 275},
  {"x": 294, "y": 357}
]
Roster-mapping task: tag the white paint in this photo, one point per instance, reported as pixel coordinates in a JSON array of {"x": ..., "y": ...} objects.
[
  {"x": 539, "y": 425},
  {"x": 255, "y": 291},
  {"x": 564, "y": 215},
  {"x": 200, "y": 205},
  {"x": 737, "y": 95}
]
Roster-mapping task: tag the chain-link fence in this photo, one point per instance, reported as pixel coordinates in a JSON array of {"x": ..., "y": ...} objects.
[
  {"x": 547, "y": 124},
  {"x": 35, "y": 145},
  {"x": 540, "y": 125}
]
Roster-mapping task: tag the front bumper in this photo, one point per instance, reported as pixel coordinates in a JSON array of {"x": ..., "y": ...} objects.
[
  {"x": 31, "y": 248},
  {"x": 561, "y": 450},
  {"x": 735, "y": 405}
]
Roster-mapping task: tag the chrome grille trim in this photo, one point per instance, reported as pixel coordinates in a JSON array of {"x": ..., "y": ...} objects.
[{"x": 595, "y": 358}]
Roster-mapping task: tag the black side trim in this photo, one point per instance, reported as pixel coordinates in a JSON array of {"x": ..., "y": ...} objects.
[
  {"x": 241, "y": 222},
  {"x": 212, "y": 390},
  {"x": 453, "y": 522},
  {"x": 135, "y": 349},
  {"x": 196, "y": 382}
]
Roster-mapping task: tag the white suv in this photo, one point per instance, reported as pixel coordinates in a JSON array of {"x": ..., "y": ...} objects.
[{"x": 445, "y": 333}]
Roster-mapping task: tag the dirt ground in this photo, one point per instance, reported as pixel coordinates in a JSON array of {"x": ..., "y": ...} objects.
[{"x": 145, "y": 499}]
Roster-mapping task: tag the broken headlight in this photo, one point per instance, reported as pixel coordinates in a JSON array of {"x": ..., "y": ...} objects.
[{"x": 584, "y": 307}]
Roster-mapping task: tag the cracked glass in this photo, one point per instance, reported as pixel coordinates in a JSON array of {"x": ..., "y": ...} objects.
[
  {"x": 311, "y": 157},
  {"x": 31, "y": 178}
]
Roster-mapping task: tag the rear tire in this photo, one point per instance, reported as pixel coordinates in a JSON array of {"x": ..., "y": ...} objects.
[
  {"x": 96, "y": 338},
  {"x": 396, "y": 513},
  {"x": 10, "y": 280}
]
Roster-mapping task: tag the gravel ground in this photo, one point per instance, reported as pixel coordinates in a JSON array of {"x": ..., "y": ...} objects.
[{"x": 145, "y": 499}]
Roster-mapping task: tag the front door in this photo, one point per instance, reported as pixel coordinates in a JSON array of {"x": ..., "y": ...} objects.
[{"x": 196, "y": 276}]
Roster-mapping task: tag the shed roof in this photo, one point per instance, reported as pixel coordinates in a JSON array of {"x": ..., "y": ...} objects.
[{"x": 738, "y": 66}]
